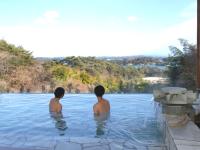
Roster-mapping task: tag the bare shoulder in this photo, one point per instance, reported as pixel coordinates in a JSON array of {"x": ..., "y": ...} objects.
[
  {"x": 95, "y": 106},
  {"x": 51, "y": 100},
  {"x": 96, "y": 109},
  {"x": 106, "y": 101}
]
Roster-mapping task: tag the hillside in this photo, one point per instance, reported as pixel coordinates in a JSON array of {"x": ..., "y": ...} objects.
[{"x": 20, "y": 72}]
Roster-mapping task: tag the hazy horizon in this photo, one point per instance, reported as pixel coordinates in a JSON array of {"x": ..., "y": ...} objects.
[{"x": 105, "y": 56}]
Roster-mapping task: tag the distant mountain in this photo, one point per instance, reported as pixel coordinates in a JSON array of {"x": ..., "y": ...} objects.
[
  {"x": 48, "y": 58},
  {"x": 136, "y": 60},
  {"x": 121, "y": 60}
]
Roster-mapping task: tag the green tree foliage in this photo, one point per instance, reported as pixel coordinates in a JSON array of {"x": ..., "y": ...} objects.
[
  {"x": 142, "y": 87},
  {"x": 138, "y": 60},
  {"x": 93, "y": 71},
  {"x": 12, "y": 57},
  {"x": 181, "y": 65},
  {"x": 152, "y": 71},
  {"x": 18, "y": 55},
  {"x": 59, "y": 72},
  {"x": 20, "y": 71},
  {"x": 85, "y": 78}
]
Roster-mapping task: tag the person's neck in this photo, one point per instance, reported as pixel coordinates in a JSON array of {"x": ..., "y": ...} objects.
[
  {"x": 56, "y": 99},
  {"x": 100, "y": 99}
]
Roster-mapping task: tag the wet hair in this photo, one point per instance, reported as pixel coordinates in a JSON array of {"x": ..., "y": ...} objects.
[
  {"x": 59, "y": 92},
  {"x": 99, "y": 90}
]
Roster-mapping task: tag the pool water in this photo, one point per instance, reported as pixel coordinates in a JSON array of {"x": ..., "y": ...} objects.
[{"x": 132, "y": 117}]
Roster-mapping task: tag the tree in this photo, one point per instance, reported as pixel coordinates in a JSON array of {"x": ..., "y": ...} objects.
[
  {"x": 85, "y": 78},
  {"x": 59, "y": 72},
  {"x": 182, "y": 65}
]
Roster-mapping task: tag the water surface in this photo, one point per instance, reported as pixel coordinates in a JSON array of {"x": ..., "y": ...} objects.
[{"x": 132, "y": 117}]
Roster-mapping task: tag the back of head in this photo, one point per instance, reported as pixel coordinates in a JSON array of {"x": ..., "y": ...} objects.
[
  {"x": 59, "y": 92},
  {"x": 99, "y": 91}
]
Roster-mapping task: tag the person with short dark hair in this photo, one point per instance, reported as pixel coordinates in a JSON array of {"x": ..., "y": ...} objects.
[
  {"x": 54, "y": 105},
  {"x": 102, "y": 106}
]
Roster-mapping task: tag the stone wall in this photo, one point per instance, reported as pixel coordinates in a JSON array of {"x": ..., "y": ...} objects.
[{"x": 183, "y": 138}]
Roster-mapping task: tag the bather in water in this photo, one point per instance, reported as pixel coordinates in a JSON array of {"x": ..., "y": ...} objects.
[
  {"x": 55, "y": 109},
  {"x": 101, "y": 110}
]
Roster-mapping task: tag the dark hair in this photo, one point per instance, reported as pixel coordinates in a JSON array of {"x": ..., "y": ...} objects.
[
  {"x": 59, "y": 92},
  {"x": 99, "y": 90}
]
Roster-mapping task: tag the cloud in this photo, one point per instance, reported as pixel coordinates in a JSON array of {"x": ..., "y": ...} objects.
[
  {"x": 49, "y": 17},
  {"x": 57, "y": 40},
  {"x": 132, "y": 18}
]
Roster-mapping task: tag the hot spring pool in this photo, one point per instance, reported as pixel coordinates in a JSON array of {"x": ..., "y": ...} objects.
[{"x": 132, "y": 117}]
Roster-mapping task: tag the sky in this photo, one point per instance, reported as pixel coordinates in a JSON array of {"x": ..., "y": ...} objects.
[{"x": 59, "y": 28}]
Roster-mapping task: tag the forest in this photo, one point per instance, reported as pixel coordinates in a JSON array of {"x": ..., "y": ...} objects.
[{"x": 20, "y": 72}]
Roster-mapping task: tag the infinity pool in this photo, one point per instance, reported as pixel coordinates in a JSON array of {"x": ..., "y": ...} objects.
[{"x": 132, "y": 117}]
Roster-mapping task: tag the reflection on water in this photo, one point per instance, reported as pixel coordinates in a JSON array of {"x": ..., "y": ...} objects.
[
  {"x": 101, "y": 121},
  {"x": 59, "y": 121}
]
